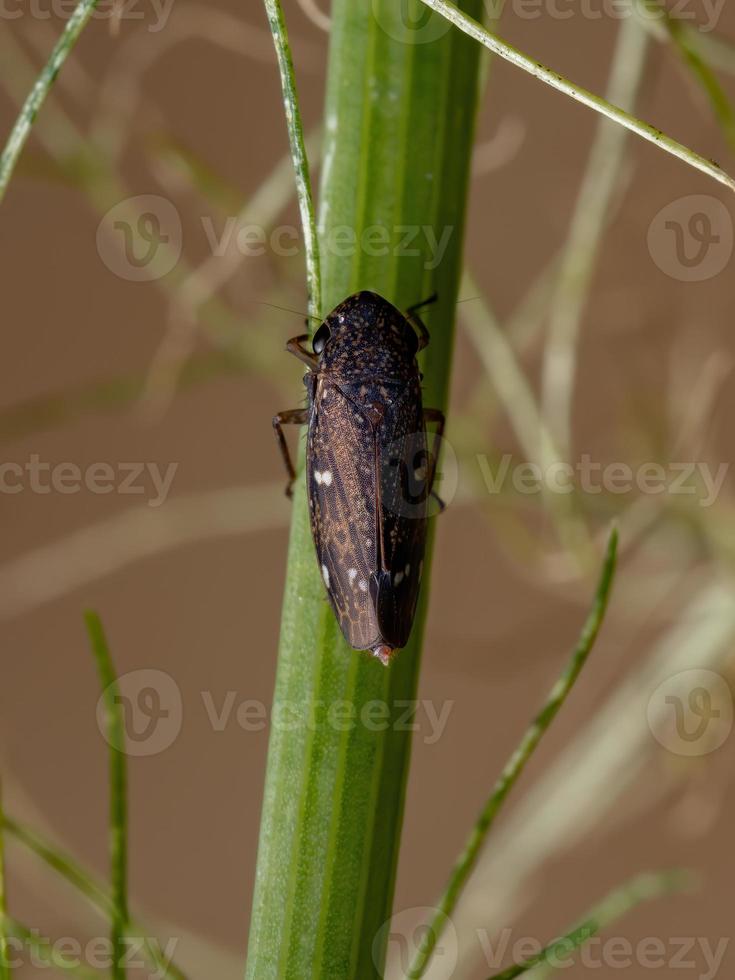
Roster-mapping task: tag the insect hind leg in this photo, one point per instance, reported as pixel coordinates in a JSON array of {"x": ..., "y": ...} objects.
[{"x": 294, "y": 416}]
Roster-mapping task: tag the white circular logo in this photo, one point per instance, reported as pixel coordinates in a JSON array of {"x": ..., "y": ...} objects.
[
  {"x": 691, "y": 238},
  {"x": 691, "y": 713},
  {"x": 409, "y": 22},
  {"x": 400, "y": 937},
  {"x": 140, "y": 239},
  {"x": 152, "y": 711}
]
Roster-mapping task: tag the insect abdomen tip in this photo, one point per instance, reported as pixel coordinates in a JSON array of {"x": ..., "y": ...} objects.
[{"x": 384, "y": 654}]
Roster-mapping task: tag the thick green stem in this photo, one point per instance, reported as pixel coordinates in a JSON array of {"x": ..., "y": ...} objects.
[{"x": 399, "y": 127}]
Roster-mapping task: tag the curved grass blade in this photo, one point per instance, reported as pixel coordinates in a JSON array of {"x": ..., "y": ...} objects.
[
  {"x": 115, "y": 735},
  {"x": 47, "y": 955},
  {"x": 517, "y": 763},
  {"x": 277, "y": 24},
  {"x": 642, "y": 888},
  {"x": 19, "y": 134},
  {"x": 555, "y": 80}
]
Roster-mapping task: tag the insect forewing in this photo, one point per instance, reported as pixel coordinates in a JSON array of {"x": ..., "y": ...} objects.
[
  {"x": 404, "y": 469},
  {"x": 341, "y": 480}
]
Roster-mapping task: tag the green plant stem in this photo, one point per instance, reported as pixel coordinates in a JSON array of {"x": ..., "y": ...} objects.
[
  {"x": 93, "y": 891},
  {"x": 115, "y": 734},
  {"x": 17, "y": 139},
  {"x": 557, "y": 81},
  {"x": 399, "y": 127},
  {"x": 517, "y": 763},
  {"x": 277, "y": 24},
  {"x": 4, "y": 960},
  {"x": 642, "y": 888}
]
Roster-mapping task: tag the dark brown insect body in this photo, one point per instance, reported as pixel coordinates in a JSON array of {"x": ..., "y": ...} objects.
[{"x": 368, "y": 469}]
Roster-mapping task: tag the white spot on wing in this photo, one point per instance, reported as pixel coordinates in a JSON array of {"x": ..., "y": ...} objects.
[
  {"x": 398, "y": 578},
  {"x": 325, "y": 575},
  {"x": 352, "y": 574},
  {"x": 362, "y": 584},
  {"x": 327, "y": 478}
]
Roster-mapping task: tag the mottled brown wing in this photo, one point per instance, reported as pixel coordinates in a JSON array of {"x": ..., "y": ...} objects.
[
  {"x": 341, "y": 485},
  {"x": 404, "y": 472}
]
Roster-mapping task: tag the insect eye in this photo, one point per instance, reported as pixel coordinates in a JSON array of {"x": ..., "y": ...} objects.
[{"x": 320, "y": 338}]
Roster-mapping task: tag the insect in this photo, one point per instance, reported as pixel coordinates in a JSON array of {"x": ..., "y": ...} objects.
[{"x": 369, "y": 471}]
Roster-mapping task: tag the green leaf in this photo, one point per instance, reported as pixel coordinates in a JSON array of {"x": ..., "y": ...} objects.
[
  {"x": 37, "y": 96},
  {"x": 518, "y": 761},
  {"x": 4, "y": 966},
  {"x": 504, "y": 50},
  {"x": 642, "y": 888},
  {"x": 115, "y": 734},
  {"x": 398, "y": 135}
]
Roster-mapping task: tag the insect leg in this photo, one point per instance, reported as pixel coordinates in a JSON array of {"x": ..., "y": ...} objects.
[
  {"x": 295, "y": 416},
  {"x": 437, "y": 416},
  {"x": 296, "y": 347},
  {"x": 415, "y": 320}
]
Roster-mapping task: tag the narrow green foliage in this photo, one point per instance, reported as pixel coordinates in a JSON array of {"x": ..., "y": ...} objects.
[
  {"x": 115, "y": 734},
  {"x": 4, "y": 961},
  {"x": 721, "y": 105},
  {"x": 517, "y": 763},
  {"x": 642, "y": 888},
  {"x": 17, "y": 139},
  {"x": 399, "y": 129},
  {"x": 47, "y": 954},
  {"x": 298, "y": 152},
  {"x": 698, "y": 57},
  {"x": 92, "y": 890},
  {"x": 592, "y": 101}
]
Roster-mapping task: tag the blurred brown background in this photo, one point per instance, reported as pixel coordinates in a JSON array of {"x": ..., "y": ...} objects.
[{"x": 204, "y": 129}]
